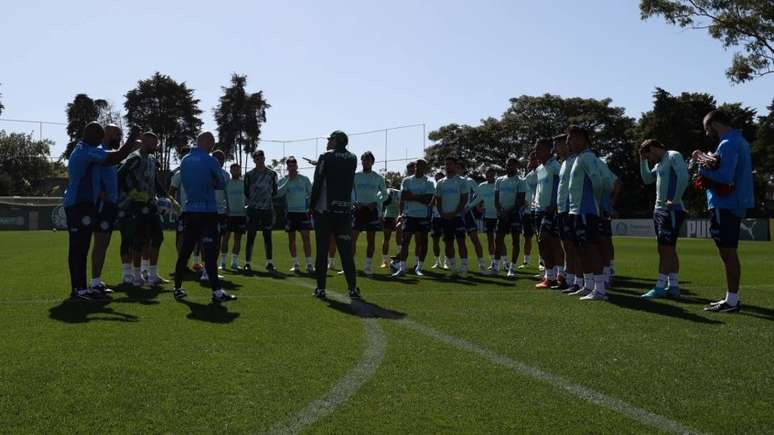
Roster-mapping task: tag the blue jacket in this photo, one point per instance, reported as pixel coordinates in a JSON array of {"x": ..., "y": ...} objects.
[
  {"x": 735, "y": 168},
  {"x": 84, "y": 170},
  {"x": 200, "y": 174}
]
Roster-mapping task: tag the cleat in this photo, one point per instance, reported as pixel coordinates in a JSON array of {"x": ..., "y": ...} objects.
[
  {"x": 399, "y": 273},
  {"x": 179, "y": 294},
  {"x": 385, "y": 264},
  {"x": 341, "y": 272},
  {"x": 463, "y": 273},
  {"x": 418, "y": 272},
  {"x": 309, "y": 268},
  {"x": 246, "y": 268},
  {"x": 102, "y": 288},
  {"x": 561, "y": 284},
  {"x": 436, "y": 265},
  {"x": 88, "y": 295},
  {"x": 331, "y": 264},
  {"x": 295, "y": 268},
  {"x": 157, "y": 281},
  {"x": 368, "y": 271},
  {"x": 222, "y": 265},
  {"x": 523, "y": 266},
  {"x": 594, "y": 296},
  {"x": 354, "y": 294},
  {"x": 138, "y": 281},
  {"x": 319, "y": 293},
  {"x": 220, "y": 296},
  {"x": 446, "y": 266},
  {"x": 673, "y": 292},
  {"x": 234, "y": 266},
  {"x": 581, "y": 292},
  {"x": 723, "y": 307},
  {"x": 270, "y": 267},
  {"x": 197, "y": 267},
  {"x": 655, "y": 293},
  {"x": 546, "y": 284},
  {"x": 511, "y": 273},
  {"x": 127, "y": 279},
  {"x": 571, "y": 289},
  {"x": 144, "y": 274}
]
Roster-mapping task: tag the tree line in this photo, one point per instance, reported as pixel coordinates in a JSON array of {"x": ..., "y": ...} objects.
[{"x": 675, "y": 120}]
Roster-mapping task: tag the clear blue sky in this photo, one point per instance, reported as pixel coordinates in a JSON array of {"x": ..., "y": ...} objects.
[{"x": 355, "y": 65}]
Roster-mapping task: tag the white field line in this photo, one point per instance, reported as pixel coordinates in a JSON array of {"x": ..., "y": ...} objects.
[
  {"x": 638, "y": 414},
  {"x": 345, "y": 387}
]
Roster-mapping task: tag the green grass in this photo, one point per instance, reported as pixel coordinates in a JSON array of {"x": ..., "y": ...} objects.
[{"x": 146, "y": 364}]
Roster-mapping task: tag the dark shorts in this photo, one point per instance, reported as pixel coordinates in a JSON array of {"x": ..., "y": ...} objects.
[
  {"x": 471, "y": 222},
  {"x": 586, "y": 229},
  {"x": 107, "y": 216},
  {"x": 667, "y": 225},
  {"x": 512, "y": 224},
  {"x": 260, "y": 220},
  {"x": 528, "y": 224},
  {"x": 366, "y": 219},
  {"x": 298, "y": 222},
  {"x": 81, "y": 217},
  {"x": 202, "y": 227},
  {"x": 222, "y": 222},
  {"x": 236, "y": 224},
  {"x": 566, "y": 227},
  {"x": 453, "y": 229},
  {"x": 147, "y": 227},
  {"x": 724, "y": 227},
  {"x": 546, "y": 224},
  {"x": 490, "y": 225},
  {"x": 606, "y": 226},
  {"x": 436, "y": 227},
  {"x": 417, "y": 225},
  {"x": 389, "y": 223}
]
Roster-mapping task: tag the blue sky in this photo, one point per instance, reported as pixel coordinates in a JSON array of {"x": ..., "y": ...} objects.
[{"x": 355, "y": 65}]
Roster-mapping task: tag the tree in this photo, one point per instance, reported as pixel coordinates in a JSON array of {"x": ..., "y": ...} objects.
[
  {"x": 24, "y": 163},
  {"x": 239, "y": 116},
  {"x": 393, "y": 179},
  {"x": 83, "y": 110},
  {"x": 745, "y": 23},
  {"x": 763, "y": 156},
  {"x": 529, "y": 118},
  {"x": 676, "y": 121},
  {"x": 278, "y": 166},
  {"x": 1, "y": 104},
  {"x": 166, "y": 107}
]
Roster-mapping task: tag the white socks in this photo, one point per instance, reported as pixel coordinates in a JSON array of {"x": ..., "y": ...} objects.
[
  {"x": 526, "y": 259},
  {"x": 144, "y": 265},
  {"x": 234, "y": 257},
  {"x": 570, "y": 277},
  {"x": 222, "y": 258},
  {"x": 661, "y": 282},
  {"x": 294, "y": 261},
  {"x": 197, "y": 259},
  {"x": 588, "y": 281},
  {"x": 732, "y": 298},
  {"x": 673, "y": 280},
  {"x": 599, "y": 284},
  {"x": 416, "y": 262},
  {"x": 153, "y": 271},
  {"x": 309, "y": 261},
  {"x": 126, "y": 268},
  {"x": 551, "y": 274},
  {"x": 96, "y": 281}
]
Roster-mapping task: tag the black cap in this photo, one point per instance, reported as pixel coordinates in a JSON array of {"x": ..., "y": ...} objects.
[{"x": 340, "y": 137}]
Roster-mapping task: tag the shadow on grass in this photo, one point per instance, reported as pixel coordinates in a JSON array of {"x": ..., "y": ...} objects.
[
  {"x": 471, "y": 280},
  {"x": 137, "y": 295},
  {"x": 624, "y": 299},
  {"x": 75, "y": 311},
  {"x": 406, "y": 279},
  {"x": 266, "y": 274},
  {"x": 364, "y": 309},
  {"x": 212, "y": 313}
]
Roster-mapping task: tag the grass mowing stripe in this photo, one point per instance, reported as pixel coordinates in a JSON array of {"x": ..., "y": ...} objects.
[
  {"x": 345, "y": 388},
  {"x": 638, "y": 414}
]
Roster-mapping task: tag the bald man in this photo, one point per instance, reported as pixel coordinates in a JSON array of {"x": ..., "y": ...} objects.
[
  {"x": 80, "y": 202},
  {"x": 107, "y": 210}
]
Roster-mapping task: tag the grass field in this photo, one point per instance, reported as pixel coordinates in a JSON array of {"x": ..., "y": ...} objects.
[{"x": 429, "y": 355}]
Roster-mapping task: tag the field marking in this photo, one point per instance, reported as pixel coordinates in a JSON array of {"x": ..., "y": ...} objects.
[
  {"x": 345, "y": 388},
  {"x": 614, "y": 404}
]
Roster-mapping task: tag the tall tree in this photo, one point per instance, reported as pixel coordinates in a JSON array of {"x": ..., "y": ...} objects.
[
  {"x": 167, "y": 108},
  {"x": 763, "y": 157},
  {"x": 748, "y": 24},
  {"x": 529, "y": 118},
  {"x": 24, "y": 163},
  {"x": 676, "y": 121},
  {"x": 239, "y": 116},
  {"x": 1, "y": 104},
  {"x": 83, "y": 110}
]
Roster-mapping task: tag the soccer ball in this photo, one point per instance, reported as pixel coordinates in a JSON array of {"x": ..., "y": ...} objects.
[{"x": 164, "y": 206}]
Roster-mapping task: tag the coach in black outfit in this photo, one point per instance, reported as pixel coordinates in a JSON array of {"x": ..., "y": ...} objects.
[{"x": 331, "y": 203}]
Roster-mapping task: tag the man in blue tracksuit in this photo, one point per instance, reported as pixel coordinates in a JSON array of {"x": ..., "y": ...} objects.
[
  {"x": 84, "y": 169},
  {"x": 727, "y": 209},
  {"x": 201, "y": 174}
]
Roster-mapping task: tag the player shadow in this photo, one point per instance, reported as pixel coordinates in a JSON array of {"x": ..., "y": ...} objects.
[
  {"x": 212, "y": 313},
  {"x": 137, "y": 295},
  {"x": 266, "y": 274},
  {"x": 405, "y": 279},
  {"x": 73, "y": 311},
  {"x": 364, "y": 309},
  {"x": 626, "y": 300},
  {"x": 636, "y": 282}
]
